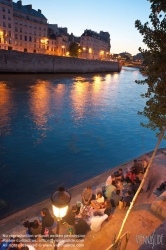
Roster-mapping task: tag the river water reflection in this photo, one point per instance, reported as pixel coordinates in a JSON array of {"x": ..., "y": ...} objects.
[{"x": 65, "y": 129}]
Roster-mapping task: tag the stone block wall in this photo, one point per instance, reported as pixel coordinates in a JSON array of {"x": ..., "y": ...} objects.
[{"x": 21, "y": 62}]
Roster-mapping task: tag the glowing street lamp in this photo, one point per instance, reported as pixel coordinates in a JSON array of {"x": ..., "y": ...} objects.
[{"x": 60, "y": 201}]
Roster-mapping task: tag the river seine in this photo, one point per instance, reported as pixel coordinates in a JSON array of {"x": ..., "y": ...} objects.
[{"x": 65, "y": 129}]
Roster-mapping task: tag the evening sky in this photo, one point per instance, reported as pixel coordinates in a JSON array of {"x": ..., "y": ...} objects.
[{"x": 115, "y": 16}]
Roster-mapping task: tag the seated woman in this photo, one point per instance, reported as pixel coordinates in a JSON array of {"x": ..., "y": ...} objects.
[
  {"x": 47, "y": 220},
  {"x": 98, "y": 203},
  {"x": 35, "y": 229},
  {"x": 130, "y": 176}
]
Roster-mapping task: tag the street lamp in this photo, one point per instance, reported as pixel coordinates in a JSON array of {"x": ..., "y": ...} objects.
[{"x": 60, "y": 201}]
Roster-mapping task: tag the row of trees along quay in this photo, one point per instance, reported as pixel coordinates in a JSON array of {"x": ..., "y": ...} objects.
[{"x": 154, "y": 36}]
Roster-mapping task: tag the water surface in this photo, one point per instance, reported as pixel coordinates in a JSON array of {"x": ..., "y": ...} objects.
[{"x": 65, "y": 129}]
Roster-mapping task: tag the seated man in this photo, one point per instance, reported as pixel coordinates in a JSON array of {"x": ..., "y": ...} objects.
[
  {"x": 108, "y": 191},
  {"x": 119, "y": 175},
  {"x": 110, "y": 179},
  {"x": 87, "y": 195},
  {"x": 127, "y": 199},
  {"x": 115, "y": 198},
  {"x": 96, "y": 221},
  {"x": 162, "y": 186},
  {"x": 98, "y": 202}
]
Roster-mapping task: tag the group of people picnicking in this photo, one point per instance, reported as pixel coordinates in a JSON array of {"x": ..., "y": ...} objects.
[{"x": 93, "y": 210}]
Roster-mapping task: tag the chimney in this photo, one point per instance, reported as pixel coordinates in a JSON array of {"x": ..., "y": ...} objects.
[
  {"x": 19, "y": 4},
  {"x": 29, "y": 7},
  {"x": 39, "y": 11}
]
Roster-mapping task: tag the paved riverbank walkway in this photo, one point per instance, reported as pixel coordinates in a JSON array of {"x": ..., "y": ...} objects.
[{"x": 141, "y": 220}]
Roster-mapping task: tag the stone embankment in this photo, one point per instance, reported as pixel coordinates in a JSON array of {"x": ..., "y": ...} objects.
[{"x": 21, "y": 62}]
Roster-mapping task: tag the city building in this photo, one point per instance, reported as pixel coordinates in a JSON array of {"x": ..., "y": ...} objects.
[
  {"x": 95, "y": 45},
  {"x": 22, "y": 28}
]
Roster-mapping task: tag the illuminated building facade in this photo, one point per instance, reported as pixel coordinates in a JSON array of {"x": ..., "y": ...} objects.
[{"x": 95, "y": 45}]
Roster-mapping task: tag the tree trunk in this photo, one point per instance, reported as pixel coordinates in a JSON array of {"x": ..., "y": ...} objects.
[{"x": 142, "y": 182}]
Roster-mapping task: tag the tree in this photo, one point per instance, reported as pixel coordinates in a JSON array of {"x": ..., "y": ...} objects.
[
  {"x": 155, "y": 57},
  {"x": 74, "y": 49}
]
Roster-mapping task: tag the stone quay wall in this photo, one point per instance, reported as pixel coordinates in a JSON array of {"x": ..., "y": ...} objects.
[{"x": 21, "y": 62}]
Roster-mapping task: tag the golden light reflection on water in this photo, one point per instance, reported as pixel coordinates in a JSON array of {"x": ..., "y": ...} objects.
[
  {"x": 39, "y": 102},
  {"x": 5, "y": 105}
]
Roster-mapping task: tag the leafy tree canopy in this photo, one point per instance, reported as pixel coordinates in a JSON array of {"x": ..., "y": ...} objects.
[
  {"x": 74, "y": 49},
  {"x": 154, "y": 36}
]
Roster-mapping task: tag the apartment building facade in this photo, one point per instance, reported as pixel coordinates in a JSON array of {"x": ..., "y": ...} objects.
[
  {"x": 22, "y": 28},
  {"x": 95, "y": 45}
]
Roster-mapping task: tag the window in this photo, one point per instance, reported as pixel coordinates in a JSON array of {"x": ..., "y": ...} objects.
[
  {"x": 20, "y": 22},
  {"x": 35, "y": 39},
  {"x": 10, "y": 41},
  {"x": 9, "y": 18},
  {"x": 16, "y": 21},
  {"x": 16, "y": 42},
  {"x": 20, "y": 43},
  {"x": 25, "y": 23},
  {"x": 39, "y": 28},
  {"x": 25, "y": 30},
  {"x": 8, "y": 10},
  {"x": 39, "y": 33},
  {"x": 9, "y": 34},
  {"x": 21, "y": 30},
  {"x": 20, "y": 37},
  {"x": 34, "y": 45},
  {"x": 16, "y": 29},
  {"x": 34, "y": 32},
  {"x": 30, "y": 31},
  {"x": 30, "y": 25},
  {"x": 4, "y": 32},
  {"x": 3, "y": 9},
  {"x": 4, "y": 24},
  {"x": 16, "y": 36},
  {"x": 30, "y": 39},
  {"x": 25, "y": 38},
  {"x": 4, "y": 17},
  {"x": 9, "y": 25}
]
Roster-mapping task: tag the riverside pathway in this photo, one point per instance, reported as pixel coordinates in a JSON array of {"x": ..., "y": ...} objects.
[{"x": 141, "y": 220}]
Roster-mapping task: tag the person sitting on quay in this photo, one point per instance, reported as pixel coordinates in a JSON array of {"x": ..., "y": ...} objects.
[
  {"x": 162, "y": 186},
  {"x": 69, "y": 218},
  {"x": 130, "y": 176},
  {"x": 110, "y": 179},
  {"x": 47, "y": 220},
  {"x": 137, "y": 168},
  {"x": 115, "y": 198},
  {"x": 119, "y": 175},
  {"x": 98, "y": 202},
  {"x": 34, "y": 228},
  {"x": 96, "y": 221},
  {"x": 87, "y": 195},
  {"x": 108, "y": 191},
  {"x": 127, "y": 199},
  {"x": 81, "y": 227}
]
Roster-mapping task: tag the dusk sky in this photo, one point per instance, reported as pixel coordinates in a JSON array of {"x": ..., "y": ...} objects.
[{"x": 115, "y": 16}]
